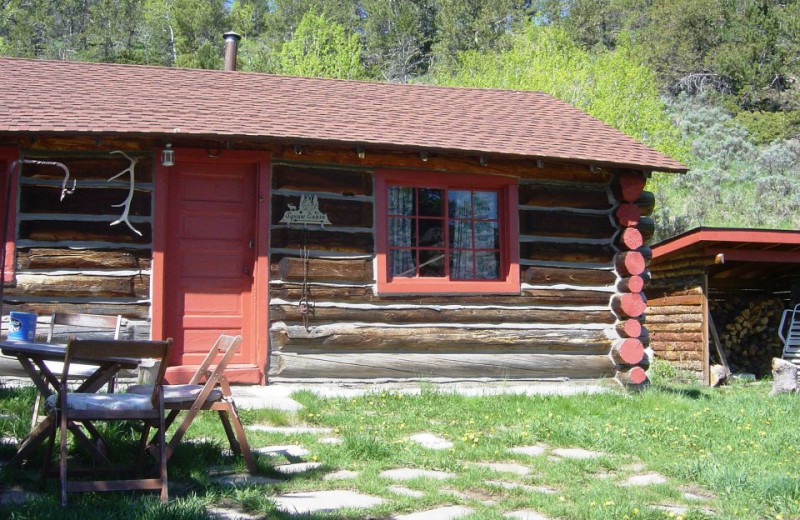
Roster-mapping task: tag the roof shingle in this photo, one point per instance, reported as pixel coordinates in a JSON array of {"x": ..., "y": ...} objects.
[{"x": 52, "y": 96}]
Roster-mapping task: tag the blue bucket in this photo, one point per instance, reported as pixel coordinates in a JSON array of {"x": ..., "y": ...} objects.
[{"x": 22, "y": 326}]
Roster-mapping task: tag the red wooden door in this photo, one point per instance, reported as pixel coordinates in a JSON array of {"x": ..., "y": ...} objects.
[{"x": 210, "y": 261}]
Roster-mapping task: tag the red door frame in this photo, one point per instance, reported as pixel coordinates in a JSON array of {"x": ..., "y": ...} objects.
[
  {"x": 8, "y": 155},
  {"x": 261, "y": 160}
]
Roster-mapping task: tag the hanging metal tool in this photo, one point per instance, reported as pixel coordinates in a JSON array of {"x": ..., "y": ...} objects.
[{"x": 305, "y": 303}]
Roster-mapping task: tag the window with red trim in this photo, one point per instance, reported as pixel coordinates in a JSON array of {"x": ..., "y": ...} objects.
[
  {"x": 7, "y": 157},
  {"x": 446, "y": 233}
]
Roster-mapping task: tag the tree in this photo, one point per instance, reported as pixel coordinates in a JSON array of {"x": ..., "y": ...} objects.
[
  {"x": 320, "y": 47},
  {"x": 613, "y": 86}
]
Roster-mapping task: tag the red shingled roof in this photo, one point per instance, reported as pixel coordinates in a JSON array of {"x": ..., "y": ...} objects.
[{"x": 72, "y": 97}]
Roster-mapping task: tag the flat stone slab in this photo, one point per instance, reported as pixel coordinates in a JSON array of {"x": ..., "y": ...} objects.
[
  {"x": 324, "y": 501},
  {"x": 526, "y": 514},
  {"x": 400, "y": 490},
  {"x": 531, "y": 451},
  {"x": 441, "y": 513},
  {"x": 525, "y": 487},
  {"x": 577, "y": 453},
  {"x": 344, "y": 474},
  {"x": 294, "y": 469},
  {"x": 230, "y": 514},
  {"x": 504, "y": 467},
  {"x": 243, "y": 479},
  {"x": 261, "y": 397},
  {"x": 645, "y": 479},
  {"x": 431, "y": 441},
  {"x": 16, "y": 496},
  {"x": 290, "y": 451},
  {"x": 693, "y": 492},
  {"x": 330, "y": 440},
  {"x": 289, "y": 430},
  {"x": 411, "y": 473}
]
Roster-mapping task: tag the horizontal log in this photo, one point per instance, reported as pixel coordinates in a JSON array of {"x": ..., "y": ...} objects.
[
  {"x": 628, "y": 214},
  {"x": 662, "y": 265},
  {"x": 629, "y": 328},
  {"x": 633, "y": 376},
  {"x": 85, "y": 200},
  {"x": 555, "y": 275},
  {"x": 564, "y": 196},
  {"x": 565, "y": 224},
  {"x": 629, "y": 186},
  {"x": 128, "y": 311},
  {"x": 52, "y": 231},
  {"x": 688, "y": 299},
  {"x": 566, "y": 252},
  {"x": 322, "y": 314},
  {"x": 646, "y": 203},
  {"x": 346, "y": 337},
  {"x": 660, "y": 336},
  {"x": 671, "y": 309},
  {"x": 48, "y": 258},
  {"x": 689, "y": 326},
  {"x": 629, "y": 239},
  {"x": 631, "y": 284},
  {"x": 628, "y": 351},
  {"x": 630, "y": 263},
  {"x": 344, "y": 213},
  {"x": 676, "y": 355},
  {"x": 291, "y": 268},
  {"x": 673, "y": 318},
  {"x": 72, "y": 286},
  {"x": 293, "y": 238},
  {"x": 568, "y": 297},
  {"x": 676, "y": 286},
  {"x": 628, "y": 305},
  {"x": 304, "y": 176},
  {"x": 459, "y": 365},
  {"x": 89, "y": 167},
  {"x": 698, "y": 271},
  {"x": 676, "y": 346},
  {"x": 647, "y": 228}
]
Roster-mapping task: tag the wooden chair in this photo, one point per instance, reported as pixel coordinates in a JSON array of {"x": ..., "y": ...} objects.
[
  {"x": 86, "y": 324},
  {"x": 70, "y": 408},
  {"x": 214, "y": 394}
]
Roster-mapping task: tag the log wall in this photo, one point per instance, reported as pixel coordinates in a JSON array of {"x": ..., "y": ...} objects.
[
  {"x": 560, "y": 325},
  {"x": 69, "y": 255}
]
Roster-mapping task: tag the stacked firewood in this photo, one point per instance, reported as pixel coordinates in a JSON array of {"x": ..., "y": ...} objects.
[{"x": 748, "y": 331}]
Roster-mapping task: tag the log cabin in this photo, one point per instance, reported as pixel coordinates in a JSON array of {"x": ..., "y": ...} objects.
[
  {"x": 716, "y": 297},
  {"x": 346, "y": 229}
]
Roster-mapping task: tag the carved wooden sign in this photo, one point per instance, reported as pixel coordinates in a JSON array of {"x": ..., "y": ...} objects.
[{"x": 307, "y": 213}]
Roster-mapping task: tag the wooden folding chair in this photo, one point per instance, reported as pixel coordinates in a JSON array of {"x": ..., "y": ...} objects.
[
  {"x": 83, "y": 324},
  {"x": 70, "y": 408},
  {"x": 214, "y": 394}
]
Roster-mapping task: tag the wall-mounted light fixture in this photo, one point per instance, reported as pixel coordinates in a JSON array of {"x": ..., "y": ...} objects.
[
  {"x": 361, "y": 152},
  {"x": 423, "y": 156},
  {"x": 298, "y": 150},
  {"x": 483, "y": 160},
  {"x": 168, "y": 155}
]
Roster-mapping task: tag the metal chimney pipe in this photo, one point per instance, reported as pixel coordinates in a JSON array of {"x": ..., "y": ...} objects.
[{"x": 231, "y": 48}]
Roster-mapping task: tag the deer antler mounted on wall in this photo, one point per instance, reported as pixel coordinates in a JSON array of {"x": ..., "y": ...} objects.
[{"x": 127, "y": 202}]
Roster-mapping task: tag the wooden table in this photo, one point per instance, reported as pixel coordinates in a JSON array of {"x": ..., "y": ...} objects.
[{"x": 32, "y": 357}]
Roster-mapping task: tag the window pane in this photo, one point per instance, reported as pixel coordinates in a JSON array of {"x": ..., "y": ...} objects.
[
  {"x": 487, "y": 235},
  {"x": 431, "y": 202},
  {"x": 459, "y": 205},
  {"x": 401, "y": 263},
  {"x": 461, "y": 234},
  {"x": 461, "y": 265},
  {"x": 401, "y": 201},
  {"x": 401, "y": 231},
  {"x": 488, "y": 265},
  {"x": 431, "y": 263},
  {"x": 485, "y": 203},
  {"x": 431, "y": 232}
]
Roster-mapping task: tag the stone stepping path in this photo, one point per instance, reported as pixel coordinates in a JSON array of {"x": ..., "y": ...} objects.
[
  {"x": 290, "y": 452},
  {"x": 531, "y": 451},
  {"x": 697, "y": 493},
  {"x": 504, "y": 467},
  {"x": 297, "y": 468},
  {"x": 441, "y": 513},
  {"x": 682, "y": 510},
  {"x": 324, "y": 501},
  {"x": 341, "y": 475},
  {"x": 411, "y": 473},
  {"x": 576, "y": 453},
  {"x": 431, "y": 441},
  {"x": 16, "y": 496},
  {"x": 243, "y": 479},
  {"x": 525, "y": 487},
  {"x": 289, "y": 430},
  {"x": 526, "y": 515},
  {"x": 223, "y": 513},
  {"x": 330, "y": 440},
  {"x": 400, "y": 490},
  {"x": 645, "y": 479}
]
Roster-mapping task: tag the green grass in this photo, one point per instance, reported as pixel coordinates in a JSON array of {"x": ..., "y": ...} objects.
[{"x": 736, "y": 444}]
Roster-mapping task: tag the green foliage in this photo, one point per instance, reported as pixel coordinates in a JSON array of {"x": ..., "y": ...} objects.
[
  {"x": 766, "y": 127},
  {"x": 610, "y": 85},
  {"x": 320, "y": 48}
]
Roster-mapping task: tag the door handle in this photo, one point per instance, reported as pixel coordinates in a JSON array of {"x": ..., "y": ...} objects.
[
  {"x": 245, "y": 270},
  {"x": 251, "y": 244}
]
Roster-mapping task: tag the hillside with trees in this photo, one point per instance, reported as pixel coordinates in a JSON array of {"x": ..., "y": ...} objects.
[{"x": 715, "y": 83}]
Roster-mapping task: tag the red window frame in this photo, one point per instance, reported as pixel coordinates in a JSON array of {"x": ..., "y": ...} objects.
[
  {"x": 508, "y": 223},
  {"x": 7, "y": 156}
]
